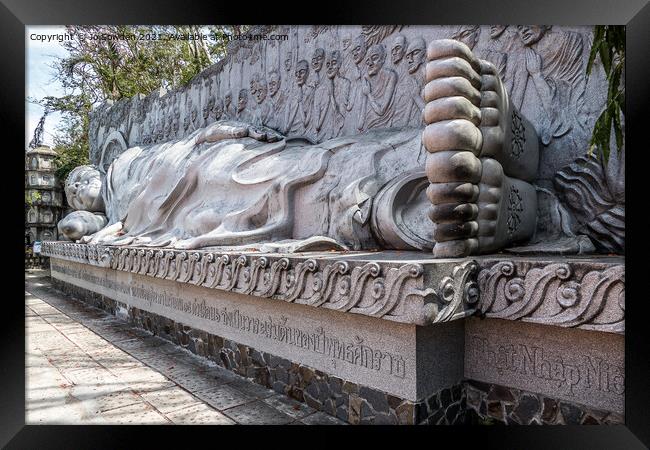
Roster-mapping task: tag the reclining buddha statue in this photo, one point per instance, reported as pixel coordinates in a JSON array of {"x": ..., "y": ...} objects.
[{"x": 458, "y": 185}]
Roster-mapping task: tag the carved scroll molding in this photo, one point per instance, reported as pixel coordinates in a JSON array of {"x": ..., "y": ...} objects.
[
  {"x": 581, "y": 293},
  {"x": 419, "y": 293}
]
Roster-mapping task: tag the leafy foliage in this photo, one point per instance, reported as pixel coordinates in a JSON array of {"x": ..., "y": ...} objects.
[
  {"x": 116, "y": 62},
  {"x": 609, "y": 45},
  {"x": 32, "y": 197}
]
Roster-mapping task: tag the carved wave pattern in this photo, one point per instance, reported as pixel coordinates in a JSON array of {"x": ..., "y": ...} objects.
[
  {"x": 395, "y": 293},
  {"x": 555, "y": 295}
]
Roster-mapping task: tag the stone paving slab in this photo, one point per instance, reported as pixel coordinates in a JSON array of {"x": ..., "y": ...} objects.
[
  {"x": 84, "y": 366},
  {"x": 256, "y": 413}
]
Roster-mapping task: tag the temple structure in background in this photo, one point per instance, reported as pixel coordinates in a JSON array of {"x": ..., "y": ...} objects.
[{"x": 43, "y": 196}]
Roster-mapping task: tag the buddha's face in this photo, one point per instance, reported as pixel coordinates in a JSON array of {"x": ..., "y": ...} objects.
[
  {"x": 333, "y": 64},
  {"x": 243, "y": 100},
  {"x": 274, "y": 83},
  {"x": 318, "y": 59},
  {"x": 302, "y": 70},
  {"x": 83, "y": 189},
  {"x": 359, "y": 49},
  {"x": 375, "y": 59},
  {"x": 415, "y": 55},
  {"x": 398, "y": 49},
  {"x": 531, "y": 34},
  {"x": 497, "y": 30}
]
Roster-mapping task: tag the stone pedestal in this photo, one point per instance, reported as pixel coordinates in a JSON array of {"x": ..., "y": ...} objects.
[{"x": 377, "y": 337}]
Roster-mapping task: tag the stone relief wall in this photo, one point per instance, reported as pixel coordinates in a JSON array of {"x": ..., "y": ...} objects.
[{"x": 329, "y": 81}]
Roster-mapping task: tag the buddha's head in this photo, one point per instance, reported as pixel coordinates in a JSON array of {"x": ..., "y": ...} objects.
[{"x": 83, "y": 189}]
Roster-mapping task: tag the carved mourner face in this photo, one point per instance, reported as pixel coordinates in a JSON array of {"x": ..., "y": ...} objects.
[
  {"x": 398, "y": 48},
  {"x": 259, "y": 90},
  {"x": 318, "y": 59},
  {"x": 497, "y": 30},
  {"x": 218, "y": 109},
  {"x": 228, "y": 99},
  {"x": 83, "y": 187},
  {"x": 531, "y": 34},
  {"x": 358, "y": 49},
  {"x": 243, "y": 100},
  {"x": 468, "y": 35},
  {"x": 415, "y": 54},
  {"x": 333, "y": 64},
  {"x": 274, "y": 83},
  {"x": 302, "y": 70},
  {"x": 287, "y": 62},
  {"x": 375, "y": 59}
]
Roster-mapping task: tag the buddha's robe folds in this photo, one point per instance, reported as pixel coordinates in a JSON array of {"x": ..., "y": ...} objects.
[{"x": 241, "y": 190}]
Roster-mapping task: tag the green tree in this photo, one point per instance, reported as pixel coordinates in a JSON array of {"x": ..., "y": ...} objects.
[
  {"x": 116, "y": 62},
  {"x": 609, "y": 45}
]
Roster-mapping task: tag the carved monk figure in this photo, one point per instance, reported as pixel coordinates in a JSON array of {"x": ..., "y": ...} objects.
[
  {"x": 555, "y": 68},
  {"x": 262, "y": 111},
  {"x": 317, "y": 61},
  {"x": 228, "y": 109},
  {"x": 277, "y": 99},
  {"x": 356, "y": 96},
  {"x": 218, "y": 109},
  {"x": 175, "y": 122},
  {"x": 378, "y": 89},
  {"x": 288, "y": 62},
  {"x": 402, "y": 101},
  {"x": 330, "y": 100},
  {"x": 208, "y": 112},
  {"x": 243, "y": 115},
  {"x": 415, "y": 55},
  {"x": 300, "y": 104}
]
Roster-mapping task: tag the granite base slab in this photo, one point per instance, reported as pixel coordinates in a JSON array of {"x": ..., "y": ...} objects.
[
  {"x": 388, "y": 356},
  {"x": 584, "y": 367}
]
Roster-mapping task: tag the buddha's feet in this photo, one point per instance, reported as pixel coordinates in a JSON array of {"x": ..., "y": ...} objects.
[{"x": 477, "y": 206}]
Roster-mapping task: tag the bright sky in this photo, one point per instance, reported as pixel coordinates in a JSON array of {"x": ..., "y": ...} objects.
[{"x": 39, "y": 82}]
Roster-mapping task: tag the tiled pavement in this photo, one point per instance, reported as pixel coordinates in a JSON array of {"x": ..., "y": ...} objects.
[{"x": 84, "y": 366}]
